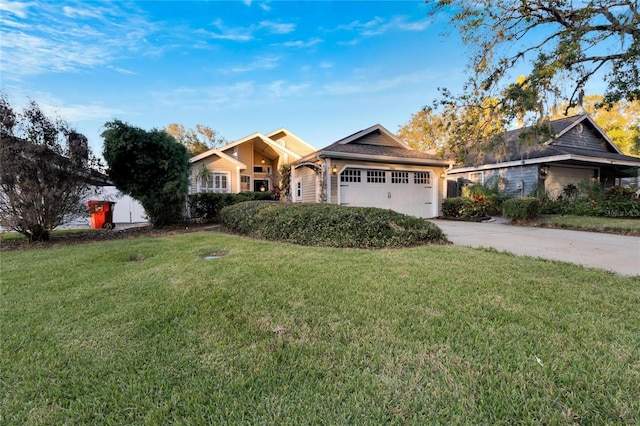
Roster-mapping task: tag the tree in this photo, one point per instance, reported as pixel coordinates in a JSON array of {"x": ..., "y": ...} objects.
[
  {"x": 45, "y": 173},
  {"x": 198, "y": 140},
  {"x": 151, "y": 167},
  {"x": 567, "y": 43},
  {"x": 462, "y": 133},
  {"x": 621, "y": 122}
]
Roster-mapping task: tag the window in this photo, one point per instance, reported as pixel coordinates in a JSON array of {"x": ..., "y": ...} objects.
[
  {"x": 399, "y": 177},
  {"x": 350, "y": 175},
  {"x": 477, "y": 177},
  {"x": 376, "y": 176},
  {"x": 422, "y": 178},
  {"x": 245, "y": 183},
  {"x": 217, "y": 182},
  {"x": 299, "y": 190}
]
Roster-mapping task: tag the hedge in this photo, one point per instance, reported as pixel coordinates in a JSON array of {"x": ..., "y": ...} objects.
[
  {"x": 526, "y": 208},
  {"x": 330, "y": 225}
]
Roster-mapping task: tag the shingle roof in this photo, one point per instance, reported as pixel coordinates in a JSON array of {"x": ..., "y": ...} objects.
[{"x": 377, "y": 150}]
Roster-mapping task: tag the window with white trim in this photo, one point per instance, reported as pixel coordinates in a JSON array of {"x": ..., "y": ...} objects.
[
  {"x": 217, "y": 182},
  {"x": 350, "y": 175},
  {"x": 399, "y": 177},
  {"x": 422, "y": 178},
  {"x": 376, "y": 176},
  {"x": 477, "y": 177},
  {"x": 245, "y": 183}
]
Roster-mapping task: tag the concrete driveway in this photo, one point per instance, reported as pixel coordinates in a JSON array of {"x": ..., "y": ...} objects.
[{"x": 617, "y": 253}]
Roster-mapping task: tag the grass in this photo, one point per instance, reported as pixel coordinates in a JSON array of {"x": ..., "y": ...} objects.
[
  {"x": 592, "y": 223},
  {"x": 12, "y": 235},
  {"x": 147, "y": 331}
]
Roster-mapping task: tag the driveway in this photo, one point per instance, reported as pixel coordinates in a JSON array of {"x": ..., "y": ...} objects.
[{"x": 617, "y": 253}]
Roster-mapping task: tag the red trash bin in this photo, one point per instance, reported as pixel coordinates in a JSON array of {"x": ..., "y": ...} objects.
[{"x": 101, "y": 214}]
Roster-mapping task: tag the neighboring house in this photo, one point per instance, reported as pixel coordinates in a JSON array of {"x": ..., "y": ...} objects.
[
  {"x": 249, "y": 164},
  {"x": 577, "y": 150},
  {"x": 371, "y": 168}
]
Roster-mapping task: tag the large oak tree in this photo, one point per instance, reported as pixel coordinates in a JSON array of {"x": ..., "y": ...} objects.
[{"x": 563, "y": 44}]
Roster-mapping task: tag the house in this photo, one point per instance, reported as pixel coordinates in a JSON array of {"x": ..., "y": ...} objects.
[
  {"x": 251, "y": 163},
  {"x": 576, "y": 150},
  {"x": 371, "y": 168}
]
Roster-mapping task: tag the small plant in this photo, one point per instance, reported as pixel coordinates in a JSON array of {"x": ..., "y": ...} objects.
[{"x": 521, "y": 209}]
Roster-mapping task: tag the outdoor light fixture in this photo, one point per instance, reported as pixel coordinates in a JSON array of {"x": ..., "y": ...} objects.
[
  {"x": 334, "y": 170},
  {"x": 262, "y": 161},
  {"x": 442, "y": 175}
]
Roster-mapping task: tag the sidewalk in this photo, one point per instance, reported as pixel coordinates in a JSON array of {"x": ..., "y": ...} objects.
[{"x": 617, "y": 253}]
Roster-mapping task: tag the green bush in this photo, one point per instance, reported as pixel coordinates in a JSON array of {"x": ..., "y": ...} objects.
[
  {"x": 206, "y": 206},
  {"x": 525, "y": 208},
  {"x": 329, "y": 225},
  {"x": 473, "y": 207}
]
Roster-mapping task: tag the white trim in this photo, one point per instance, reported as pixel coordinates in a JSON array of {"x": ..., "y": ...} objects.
[
  {"x": 555, "y": 158},
  {"x": 384, "y": 158},
  {"x": 434, "y": 179}
]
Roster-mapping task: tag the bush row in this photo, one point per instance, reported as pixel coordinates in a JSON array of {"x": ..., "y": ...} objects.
[
  {"x": 206, "y": 206},
  {"x": 330, "y": 225},
  {"x": 526, "y": 208},
  {"x": 473, "y": 206}
]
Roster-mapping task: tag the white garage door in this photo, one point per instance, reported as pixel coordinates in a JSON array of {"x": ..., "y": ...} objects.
[{"x": 408, "y": 192}]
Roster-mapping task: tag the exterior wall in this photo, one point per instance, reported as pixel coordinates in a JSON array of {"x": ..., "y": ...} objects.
[
  {"x": 308, "y": 177},
  {"x": 584, "y": 136},
  {"x": 217, "y": 165},
  {"x": 517, "y": 181},
  {"x": 375, "y": 139},
  {"x": 559, "y": 177}
]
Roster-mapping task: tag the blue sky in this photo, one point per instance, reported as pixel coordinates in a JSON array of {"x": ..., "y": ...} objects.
[{"x": 321, "y": 69}]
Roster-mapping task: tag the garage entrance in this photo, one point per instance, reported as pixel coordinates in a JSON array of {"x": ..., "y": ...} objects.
[{"x": 405, "y": 191}]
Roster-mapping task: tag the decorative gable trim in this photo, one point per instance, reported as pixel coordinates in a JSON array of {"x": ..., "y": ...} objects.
[
  {"x": 579, "y": 122},
  {"x": 220, "y": 154},
  {"x": 376, "y": 128}
]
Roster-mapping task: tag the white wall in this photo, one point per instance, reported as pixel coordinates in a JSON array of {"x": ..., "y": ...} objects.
[{"x": 126, "y": 210}]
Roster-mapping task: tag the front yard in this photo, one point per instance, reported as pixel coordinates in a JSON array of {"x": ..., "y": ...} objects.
[
  {"x": 623, "y": 226},
  {"x": 148, "y": 331}
]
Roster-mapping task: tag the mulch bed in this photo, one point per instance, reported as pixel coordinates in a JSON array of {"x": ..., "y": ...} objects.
[{"x": 65, "y": 239}]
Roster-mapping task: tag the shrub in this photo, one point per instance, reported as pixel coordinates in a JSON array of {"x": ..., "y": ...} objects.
[
  {"x": 206, "y": 206},
  {"x": 474, "y": 206},
  {"x": 525, "y": 208},
  {"x": 329, "y": 225}
]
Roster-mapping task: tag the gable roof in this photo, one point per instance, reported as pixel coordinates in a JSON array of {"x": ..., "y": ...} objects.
[
  {"x": 257, "y": 135},
  {"x": 576, "y": 138},
  {"x": 219, "y": 153},
  {"x": 306, "y": 148},
  {"x": 376, "y": 143}
]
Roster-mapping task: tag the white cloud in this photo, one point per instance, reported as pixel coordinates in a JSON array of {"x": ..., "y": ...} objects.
[
  {"x": 300, "y": 43},
  {"x": 378, "y": 25},
  {"x": 15, "y": 8},
  {"x": 266, "y": 62},
  {"x": 277, "y": 28}
]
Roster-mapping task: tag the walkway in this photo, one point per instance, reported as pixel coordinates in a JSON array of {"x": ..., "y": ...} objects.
[{"x": 617, "y": 253}]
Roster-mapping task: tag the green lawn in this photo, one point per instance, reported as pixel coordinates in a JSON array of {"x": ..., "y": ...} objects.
[
  {"x": 147, "y": 331},
  {"x": 592, "y": 223}
]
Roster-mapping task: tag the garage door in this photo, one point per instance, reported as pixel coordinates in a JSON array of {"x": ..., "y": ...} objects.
[{"x": 408, "y": 192}]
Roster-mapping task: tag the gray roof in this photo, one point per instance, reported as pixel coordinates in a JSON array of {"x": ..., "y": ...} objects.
[{"x": 512, "y": 148}]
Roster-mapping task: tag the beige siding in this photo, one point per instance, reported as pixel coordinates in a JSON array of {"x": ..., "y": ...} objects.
[
  {"x": 376, "y": 139},
  {"x": 216, "y": 165},
  {"x": 308, "y": 177},
  {"x": 292, "y": 144}
]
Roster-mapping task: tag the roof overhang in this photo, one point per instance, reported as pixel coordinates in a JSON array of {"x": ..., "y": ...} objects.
[
  {"x": 383, "y": 158},
  {"x": 554, "y": 159}
]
